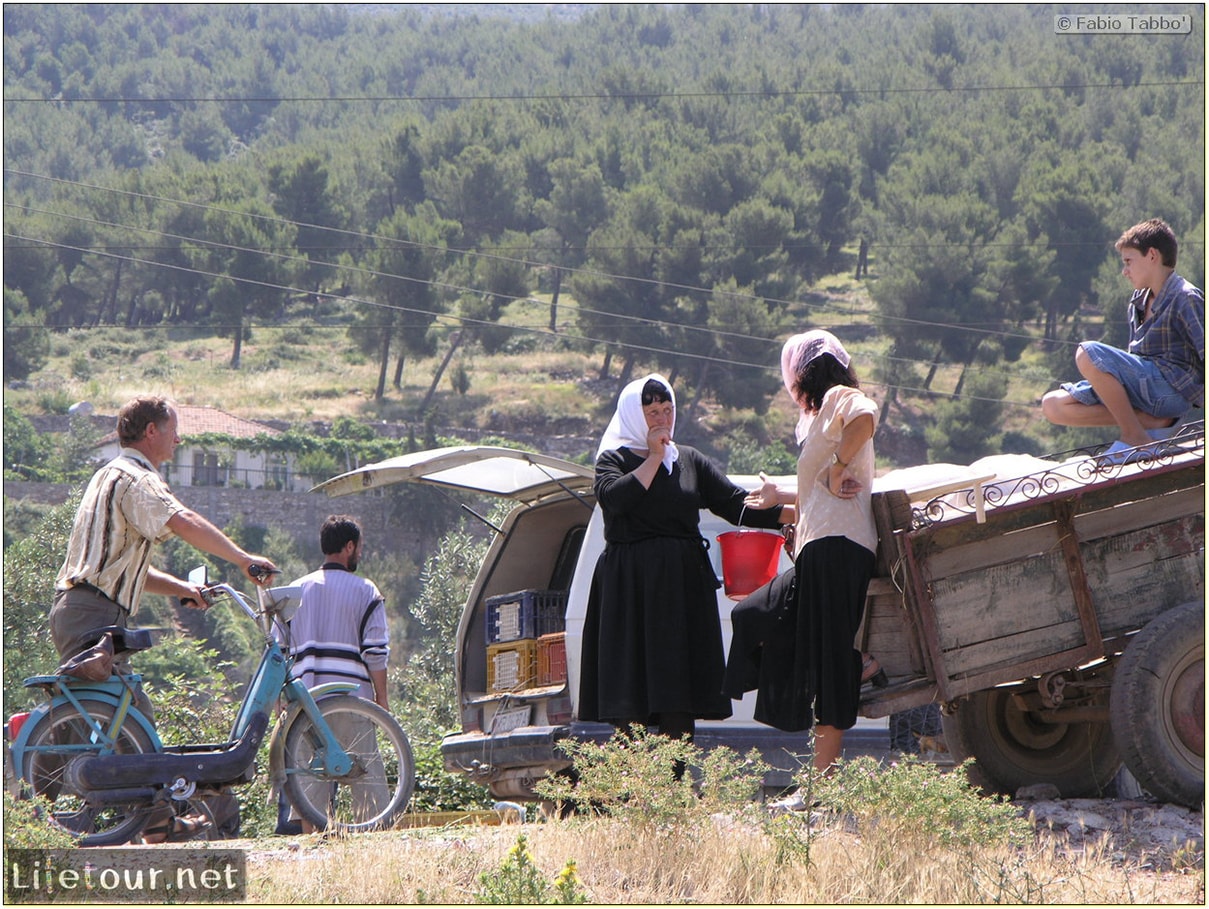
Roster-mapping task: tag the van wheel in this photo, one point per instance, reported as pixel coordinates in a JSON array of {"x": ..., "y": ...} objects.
[
  {"x": 1158, "y": 702},
  {"x": 1013, "y": 748}
]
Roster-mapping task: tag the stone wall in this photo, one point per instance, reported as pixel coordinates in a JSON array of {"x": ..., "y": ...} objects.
[{"x": 299, "y": 514}]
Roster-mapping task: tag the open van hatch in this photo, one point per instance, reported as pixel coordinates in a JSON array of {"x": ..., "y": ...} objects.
[{"x": 523, "y": 476}]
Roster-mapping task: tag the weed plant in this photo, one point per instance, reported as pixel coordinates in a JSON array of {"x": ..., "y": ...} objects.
[
  {"x": 26, "y": 825},
  {"x": 914, "y": 798},
  {"x": 519, "y": 882},
  {"x": 647, "y": 779}
]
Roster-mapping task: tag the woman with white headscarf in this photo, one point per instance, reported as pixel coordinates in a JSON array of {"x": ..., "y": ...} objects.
[
  {"x": 835, "y": 538},
  {"x": 652, "y": 648}
]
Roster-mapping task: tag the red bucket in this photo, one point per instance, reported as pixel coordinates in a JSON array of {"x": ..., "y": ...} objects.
[{"x": 750, "y": 559}]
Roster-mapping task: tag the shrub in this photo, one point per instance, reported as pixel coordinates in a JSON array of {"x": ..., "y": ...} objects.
[
  {"x": 915, "y": 798},
  {"x": 645, "y": 778},
  {"x": 26, "y": 827},
  {"x": 519, "y": 882}
]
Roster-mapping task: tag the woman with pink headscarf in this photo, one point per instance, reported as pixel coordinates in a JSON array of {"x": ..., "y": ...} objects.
[{"x": 835, "y": 538}]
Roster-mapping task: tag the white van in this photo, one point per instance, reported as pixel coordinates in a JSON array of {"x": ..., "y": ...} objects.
[{"x": 525, "y": 610}]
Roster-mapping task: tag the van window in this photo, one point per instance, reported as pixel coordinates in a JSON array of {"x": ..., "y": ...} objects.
[{"x": 568, "y": 555}]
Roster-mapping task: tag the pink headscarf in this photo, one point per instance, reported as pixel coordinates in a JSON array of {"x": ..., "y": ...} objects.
[{"x": 798, "y": 351}]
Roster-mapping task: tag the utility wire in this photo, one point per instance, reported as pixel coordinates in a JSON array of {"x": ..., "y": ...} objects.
[
  {"x": 614, "y": 317},
  {"x": 361, "y": 235},
  {"x": 468, "y": 321},
  {"x": 604, "y": 96}
]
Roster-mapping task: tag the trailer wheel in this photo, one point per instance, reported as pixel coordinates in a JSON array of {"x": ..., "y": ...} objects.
[
  {"x": 1157, "y": 706},
  {"x": 1013, "y": 748}
]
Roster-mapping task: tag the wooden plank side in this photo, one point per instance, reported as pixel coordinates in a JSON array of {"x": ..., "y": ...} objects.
[
  {"x": 1010, "y": 649},
  {"x": 1001, "y": 550},
  {"x": 890, "y": 636},
  {"x": 1174, "y": 508},
  {"x": 997, "y": 674},
  {"x": 990, "y": 603},
  {"x": 1140, "y": 595}
]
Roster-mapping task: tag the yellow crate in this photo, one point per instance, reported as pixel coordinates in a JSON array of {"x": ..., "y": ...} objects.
[{"x": 511, "y": 665}]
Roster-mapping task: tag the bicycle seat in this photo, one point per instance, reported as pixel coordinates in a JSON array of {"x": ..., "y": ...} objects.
[{"x": 126, "y": 640}]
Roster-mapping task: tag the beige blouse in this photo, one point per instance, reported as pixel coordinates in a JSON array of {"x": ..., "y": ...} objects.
[{"x": 821, "y": 514}]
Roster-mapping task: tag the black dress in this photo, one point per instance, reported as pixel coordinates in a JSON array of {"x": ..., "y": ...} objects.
[{"x": 652, "y": 637}]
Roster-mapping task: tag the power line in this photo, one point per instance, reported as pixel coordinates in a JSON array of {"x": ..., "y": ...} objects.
[
  {"x": 653, "y": 95},
  {"x": 572, "y": 270},
  {"x": 577, "y": 307},
  {"x": 545, "y": 332}
]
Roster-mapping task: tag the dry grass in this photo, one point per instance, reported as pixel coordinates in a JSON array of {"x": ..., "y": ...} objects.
[
  {"x": 298, "y": 376},
  {"x": 723, "y": 860},
  {"x": 544, "y": 385}
]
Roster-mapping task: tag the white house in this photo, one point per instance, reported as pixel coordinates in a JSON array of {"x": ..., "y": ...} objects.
[{"x": 220, "y": 465}]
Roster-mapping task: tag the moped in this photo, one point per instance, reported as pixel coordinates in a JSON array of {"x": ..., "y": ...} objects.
[{"x": 342, "y": 761}]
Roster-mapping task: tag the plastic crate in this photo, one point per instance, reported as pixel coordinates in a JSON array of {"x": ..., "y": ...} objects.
[
  {"x": 552, "y": 658},
  {"x": 511, "y": 665},
  {"x": 525, "y": 614}
]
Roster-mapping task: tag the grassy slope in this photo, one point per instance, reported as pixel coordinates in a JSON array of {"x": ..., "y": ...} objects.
[{"x": 301, "y": 371}]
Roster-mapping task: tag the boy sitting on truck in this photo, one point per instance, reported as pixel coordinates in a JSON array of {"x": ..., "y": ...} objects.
[{"x": 1146, "y": 389}]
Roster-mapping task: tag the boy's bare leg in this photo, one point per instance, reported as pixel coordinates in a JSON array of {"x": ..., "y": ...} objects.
[{"x": 1063, "y": 410}]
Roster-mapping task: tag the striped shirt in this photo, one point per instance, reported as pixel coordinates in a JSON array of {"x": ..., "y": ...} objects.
[
  {"x": 339, "y": 631},
  {"x": 124, "y": 512}
]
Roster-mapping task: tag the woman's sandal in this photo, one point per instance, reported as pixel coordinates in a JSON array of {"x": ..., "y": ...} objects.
[
  {"x": 177, "y": 829},
  {"x": 871, "y": 671}
]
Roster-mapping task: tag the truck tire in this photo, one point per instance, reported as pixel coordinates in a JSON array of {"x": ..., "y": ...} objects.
[
  {"x": 1011, "y": 749},
  {"x": 1157, "y": 706}
]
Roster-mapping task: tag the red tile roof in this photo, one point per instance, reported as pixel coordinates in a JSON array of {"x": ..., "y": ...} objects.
[{"x": 193, "y": 420}]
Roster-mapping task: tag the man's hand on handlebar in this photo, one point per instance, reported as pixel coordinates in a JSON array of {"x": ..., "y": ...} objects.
[
  {"x": 260, "y": 570},
  {"x": 195, "y": 599}
]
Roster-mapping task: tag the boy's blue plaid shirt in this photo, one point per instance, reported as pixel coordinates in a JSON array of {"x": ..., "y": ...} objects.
[{"x": 1173, "y": 336}]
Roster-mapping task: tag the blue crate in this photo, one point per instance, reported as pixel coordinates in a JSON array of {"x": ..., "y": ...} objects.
[{"x": 525, "y": 614}]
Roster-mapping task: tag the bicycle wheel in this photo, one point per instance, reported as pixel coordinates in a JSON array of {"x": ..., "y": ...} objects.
[
  {"x": 62, "y": 735},
  {"x": 382, "y": 779}
]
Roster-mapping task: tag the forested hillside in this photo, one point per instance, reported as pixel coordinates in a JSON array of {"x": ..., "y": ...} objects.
[{"x": 672, "y": 182}]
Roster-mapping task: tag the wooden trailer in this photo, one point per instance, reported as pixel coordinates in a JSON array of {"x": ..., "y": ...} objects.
[{"x": 1058, "y": 618}]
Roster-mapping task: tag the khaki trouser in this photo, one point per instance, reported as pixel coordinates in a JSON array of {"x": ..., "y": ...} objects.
[{"x": 75, "y": 619}]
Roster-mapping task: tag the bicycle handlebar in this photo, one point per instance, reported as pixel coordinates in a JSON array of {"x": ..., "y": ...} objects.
[{"x": 259, "y": 572}]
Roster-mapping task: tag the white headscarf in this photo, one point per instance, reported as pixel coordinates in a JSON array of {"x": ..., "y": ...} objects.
[
  {"x": 628, "y": 427},
  {"x": 798, "y": 351}
]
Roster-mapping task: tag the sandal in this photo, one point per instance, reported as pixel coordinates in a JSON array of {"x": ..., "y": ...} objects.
[
  {"x": 871, "y": 671},
  {"x": 178, "y": 829},
  {"x": 1120, "y": 453}
]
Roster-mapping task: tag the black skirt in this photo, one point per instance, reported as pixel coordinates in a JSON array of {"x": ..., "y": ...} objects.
[
  {"x": 832, "y": 582},
  {"x": 792, "y": 640},
  {"x": 652, "y": 639}
]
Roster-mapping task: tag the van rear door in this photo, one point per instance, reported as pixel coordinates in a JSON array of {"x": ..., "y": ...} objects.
[{"x": 523, "y": 476}]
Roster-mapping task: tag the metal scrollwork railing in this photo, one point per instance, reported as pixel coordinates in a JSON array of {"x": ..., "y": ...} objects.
[{"x": 1072, "y": 469}]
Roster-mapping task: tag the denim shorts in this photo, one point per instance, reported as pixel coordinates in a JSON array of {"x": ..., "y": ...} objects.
[{"x": 1148, "y": 391}]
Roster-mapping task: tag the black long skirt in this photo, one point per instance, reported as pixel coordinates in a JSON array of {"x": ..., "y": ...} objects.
[
  {"x": 652, "y": 637},
  {"x": 832, "y": 580}
]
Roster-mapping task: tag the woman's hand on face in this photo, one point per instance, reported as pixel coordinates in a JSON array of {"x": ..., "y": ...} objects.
[{"x": 657, "y": 440}]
